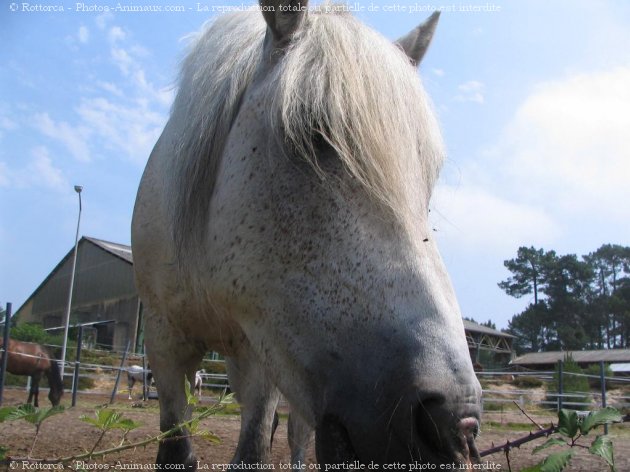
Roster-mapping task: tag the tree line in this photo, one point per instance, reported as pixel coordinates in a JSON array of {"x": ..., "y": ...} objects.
[{"x": 577, "y": 302}]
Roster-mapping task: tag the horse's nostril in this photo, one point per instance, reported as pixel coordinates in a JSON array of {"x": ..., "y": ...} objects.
[
  {"x": 468, "y": 427},
  {"x": 332, "y": 442},
  {"x": 432, "y": 401},
  {"x": 430, "y": 415}
]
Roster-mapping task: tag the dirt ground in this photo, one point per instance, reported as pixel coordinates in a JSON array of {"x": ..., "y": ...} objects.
[{"x": 66, "y": 435}]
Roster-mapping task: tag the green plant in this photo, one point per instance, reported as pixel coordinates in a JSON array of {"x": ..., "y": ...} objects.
[
  {"x": 107, "y": 420},
  {"x": 571, "y": 428},
  {"x": 15, "y": 380},
  {"x": 574, "y": 384},
  {"x": 29, "y": 413},
  {"x": 493, "y": 406},
  {"x": 527, "y": 381},
  {"x": 213, "y": 367},
  {"x": 595, "y": 371},
  {"x": 32, "y": 333}
]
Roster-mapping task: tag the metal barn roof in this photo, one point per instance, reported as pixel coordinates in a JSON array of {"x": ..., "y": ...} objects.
[
  {"x": 121, "y": 250},
  {"x": 552, "y": 357},
  {"x": 477, "y": 328}
]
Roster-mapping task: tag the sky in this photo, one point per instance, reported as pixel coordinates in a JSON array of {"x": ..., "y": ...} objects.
[{"x": 533, "y": 98}]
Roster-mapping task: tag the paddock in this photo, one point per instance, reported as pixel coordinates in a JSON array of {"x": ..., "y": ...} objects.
[{"x": 497, "y": 427}]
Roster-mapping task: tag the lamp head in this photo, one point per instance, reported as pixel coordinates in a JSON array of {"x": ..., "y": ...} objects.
[{"x": 78, "y": 188}]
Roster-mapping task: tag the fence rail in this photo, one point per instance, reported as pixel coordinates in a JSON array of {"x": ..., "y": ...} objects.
[
  {"x": 491, "y": 397},
  {"x": 556, "y": 399}
]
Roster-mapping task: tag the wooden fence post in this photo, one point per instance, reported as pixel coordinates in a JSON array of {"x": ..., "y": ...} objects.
[
  {"x": 77, "y": 363},
  {"x": 5, "y": 345},
  {"x": 122, "y": 363},
  {"x": 602, "y": 378},
  {"x": 145, "y": 387},
  {"x": 560, "y": 384}
]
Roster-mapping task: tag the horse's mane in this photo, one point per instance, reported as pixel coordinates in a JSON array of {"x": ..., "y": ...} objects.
[
  {"x": 339, "y": 80},
  {"x": 214, "y": 76}
]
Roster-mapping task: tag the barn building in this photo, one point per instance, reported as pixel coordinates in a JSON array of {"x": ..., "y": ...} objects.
[
  {"x": 489, "y": 348},
  {"x": 104, "y": 290},
  {"x": 549, "y": 360}
]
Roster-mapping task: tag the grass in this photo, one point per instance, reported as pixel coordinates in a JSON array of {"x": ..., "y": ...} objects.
[
  {"x": 510, "y": 426},
  {"x": 231, "y": 409}
]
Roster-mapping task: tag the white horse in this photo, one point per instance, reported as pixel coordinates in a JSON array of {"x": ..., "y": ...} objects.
[
  {"x": 135, "y": 373},
  {"x": 282, "y": 219},
  {"x": 199, "y": 381}
]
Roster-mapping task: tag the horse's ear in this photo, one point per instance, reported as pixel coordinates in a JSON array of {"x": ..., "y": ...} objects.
[
  {"x": 283, "y": 18},
  {"x": 416, "y": 42}
]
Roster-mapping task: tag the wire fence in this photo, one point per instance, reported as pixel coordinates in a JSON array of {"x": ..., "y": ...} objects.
[
  {"x": 105, "y": 379},
  {"x": 613, "y": 391},
  {"x": 95, "y": 378}
]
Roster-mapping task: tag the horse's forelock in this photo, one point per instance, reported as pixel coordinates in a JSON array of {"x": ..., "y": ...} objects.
[{"x": 352, "y": 86}]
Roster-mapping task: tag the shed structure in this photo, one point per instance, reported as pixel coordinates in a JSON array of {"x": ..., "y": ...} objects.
[
  {"x": 488, "y": 347},
  {"x": 548, "y": 360},
  {"x": 104, "y": 289},
  {"x": 621, "y": 369}
]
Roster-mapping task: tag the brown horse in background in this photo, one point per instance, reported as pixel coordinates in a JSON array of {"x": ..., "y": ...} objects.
[{"x": 34, "y": 360}]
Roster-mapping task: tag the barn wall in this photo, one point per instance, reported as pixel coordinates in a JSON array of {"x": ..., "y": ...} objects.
[
  {"x": 104, "y": 289},
  {"x": 99, "y": 276}
]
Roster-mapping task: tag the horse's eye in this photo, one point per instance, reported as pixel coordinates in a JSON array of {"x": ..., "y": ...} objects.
[{"x": 325, "y": 152}]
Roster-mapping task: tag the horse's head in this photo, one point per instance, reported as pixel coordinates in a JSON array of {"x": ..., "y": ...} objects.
[
  {"x": 55, "y": 382},
  {"x": 320, "y": 237},
  {"x": 55, "y": 397}
]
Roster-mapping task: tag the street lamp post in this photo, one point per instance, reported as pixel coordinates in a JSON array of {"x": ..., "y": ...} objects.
[{"x": 78, "y": 189}]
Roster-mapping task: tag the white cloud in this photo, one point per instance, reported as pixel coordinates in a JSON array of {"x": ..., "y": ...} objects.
[
  {"x": 124, "y": 114},
  {"x": 438, "y": 72},
  {"x": 569, "y": 143},
  {"x": 5, "y": 177},
  {"x": 84, "y": 34},
  {"x": 42, "y": 170},
  {"x": 116, "y": 34},
  {"x": 103, "y": 19},
  {"x": 128, "y": 59},
  {"x": 471, "y": 91},
  {"x": 560, "y": 167},
  {"x": 75, "y": 138},
  {"x": 111, "y": 88},
  {"x": 131, "y": 129},
  {"x": 7, "y": 123},
  {"x": 122, "y": 59},
  {"x": 39, "y": 172},
  {"x": 478, "y": 218}
]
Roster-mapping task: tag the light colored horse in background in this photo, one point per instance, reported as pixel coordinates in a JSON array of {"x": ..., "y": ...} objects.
[
  {"x": 282, "y": 219},
  {"x": 199, "y": 381},
  {"x": 136, "y": 373}
]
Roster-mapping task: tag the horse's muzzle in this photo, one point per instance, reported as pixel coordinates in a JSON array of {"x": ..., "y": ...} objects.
[
  {"x": 436, "y": 437},
  {"x": 450, "y": 437}
]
